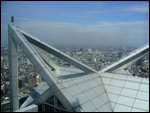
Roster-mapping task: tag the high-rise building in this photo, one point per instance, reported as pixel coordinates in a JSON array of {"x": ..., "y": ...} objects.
[
  {"x": 139, "y": 62},
  {"x": 120, "y": 54},
  {"x": 38, "y": 79},
  {"x": 77, "y": 87}
]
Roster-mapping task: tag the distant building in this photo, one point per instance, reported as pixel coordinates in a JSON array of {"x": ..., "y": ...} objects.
[
  {"x": 120, "y": 54},
  {"x": 38, "y": 79},
  {"x": 95, "y": 60},
  {"x": 20, "y": 83},
  {"x": 89, "y": 50},
  {"x": 139, "y": 62},
  {"x": 3, "y": 88}
]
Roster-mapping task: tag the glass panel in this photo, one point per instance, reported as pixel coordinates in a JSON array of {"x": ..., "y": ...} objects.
[
  {"x": 90, "y": 94},
  {"x": 104, "y": 97},
  {"x": 98, "y": 90},
  {"x": 132, "y": 85},
  {"x": 112, "y": 97},
  {"x": 73, "y": 91},
  {"x": 106, "y": 80},
  {"x": 113, "y": 105},
  {"x": 129, "y": 92},
  {"x": 94, "y": 83},
  {"x": 145, "y": 80},
  {"x": 132, "y": 78},
  {"x": 81, "y": 98},
  {"x": 97, "y": 102},
  {"x": 107, "y": 75},
  {"x": 137, "y": 110},
  {"x": 83, "y": 86},
  {"x": 141, "y": 104},
  {"x": 144, "y": 87},
  {"x": 125, "y": 101},
  {"x": 68, "y": 84},
  {"x": 121, "y": 108},
  {"x": 105, "y": 108},
  {"x": 143, "y": 95},
  {"x": 113, "y": 89},
  {"x": 119, "y": 76},
  {"x": 88, "y": 107},
  {"x": 117, "y": 82}
]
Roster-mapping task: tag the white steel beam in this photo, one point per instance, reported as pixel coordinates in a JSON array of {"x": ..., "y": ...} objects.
[
  {"x": 45, "y": 56},
  {"x": 13, "y": 71},
  {"x": 57, "y": 53},
  {"x": 128, "y": 60},
  {"x": 43, "y": 69}
]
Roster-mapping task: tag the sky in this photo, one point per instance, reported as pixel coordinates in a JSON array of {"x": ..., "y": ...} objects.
[{"x": 79, "y": 23}]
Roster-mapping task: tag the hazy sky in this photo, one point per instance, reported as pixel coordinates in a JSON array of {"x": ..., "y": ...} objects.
[{"x": 80, "y": 23}]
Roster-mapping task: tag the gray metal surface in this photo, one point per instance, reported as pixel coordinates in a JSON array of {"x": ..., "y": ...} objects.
[
  {"x": 45, "y": 72},
  {"x": 13, "y": 71},
  {"x": 87, "y": 90}
]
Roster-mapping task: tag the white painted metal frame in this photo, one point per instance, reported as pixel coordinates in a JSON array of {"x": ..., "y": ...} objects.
[
  {"x": 44, "y": 70},
  {"x": 37, "y": 61},
  {"x": 58, "y": 53},
  {"x": 13, "y": 71},
  {"x": 24, "y": 40},
  {"x": 128, "y": 60}
]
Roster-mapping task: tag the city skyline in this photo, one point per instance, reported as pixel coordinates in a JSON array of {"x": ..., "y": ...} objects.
[
  {"x": 81, "y": 75},
  {"x": 80, "y": 23}
]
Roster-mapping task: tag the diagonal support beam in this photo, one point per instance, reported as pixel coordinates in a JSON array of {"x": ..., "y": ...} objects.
[
  {"x": 46, "y": 58},
  {"x": 13, "y": 71},
  {"x": 57, "y": 53},
  {"x": 43, "y": 69},
  {"x": 128, "y": 60}
]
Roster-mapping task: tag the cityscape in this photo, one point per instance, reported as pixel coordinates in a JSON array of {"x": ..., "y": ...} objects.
[
  {"x": 75, "y": 56},
  {"x": 97, "y": 58}
]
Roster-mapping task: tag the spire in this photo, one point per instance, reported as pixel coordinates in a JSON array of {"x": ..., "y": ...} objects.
[{"x": 12, "y": 20}]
